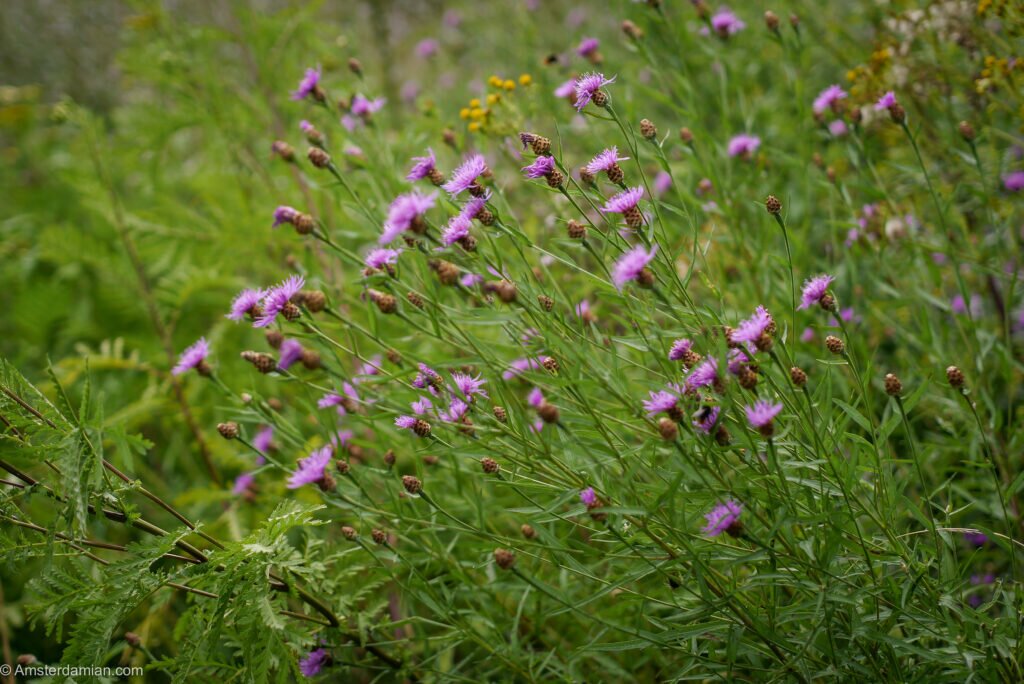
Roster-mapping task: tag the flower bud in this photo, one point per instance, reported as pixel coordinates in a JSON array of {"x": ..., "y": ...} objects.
[
  {"x": 632, "y": 30},
  {"x": 548, "y": 412},
  {"x": 893, "y": 386},
  {"x": 421, "y": 428},
  {"x": 546, "y": 303},
  {"x": 415, "y": 298},
  {"x": 576, "y": 230},
  {"x": 686, "y": 135},
  {"x": 504, "y": 558},
  {"x": 379, "y": 537},
  {"x": 668, "y": 429},
  {"x": 955, "y": 376},
  {"x": 412, "y": 484},
  {"x": 283, "y": 150},
  {"x": 966, "y": 131},
  {"x": 318, "y": 157},
  {"x": 355, "y": 66},
  {"x": 773, "y": 205},
  {"x": 798, "y": 376},
  {"x": 228, "y": 430},
  {"x": 501, "y": 414},
  {"x": 349, "y": 533},
  {"x": 314, "y": 300},
  {"x": 648, "y": 129},
  {"x": 835, "y": 345},
  {"x": 132, "y": 638},
  {"x": 528, "y": 531},
  {"x": 771, "y": 20},
  {"x": 264, "y": 363},
  {"x": 489, "y": 465}
]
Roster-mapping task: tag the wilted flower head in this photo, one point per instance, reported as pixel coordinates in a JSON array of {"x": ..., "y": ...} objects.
[
  {"x": 828, "y": 97},
  {"x": 465, "y": 176},
  {"x": 193, "y": 357},
  {"x": 744, "y": 145},
  {"x": 886, "y": 101},
  {"x": 814, "y": 289},
  {"x": 762, "y": 413},
  {"x": 277, "y": 298},
  {"x": 752, "y": 328},
  {"x": 624, "y": 201},
  {"x": 311, "y": 468},
  {"x": 308, "y": 85},
  {"x": 311, "y": 665},
  {"x": 291, "y": 351},
  {"x": 404, "y": 210},
  {"x": 605, "y": 160},
  {"x": 587, "y": 47},
  {"x": 631, "y": 264},
  {"x": 679, "y": 349},
  {"x": 422, "y": 166},
  {"x": 588, "y": 497},
  {"x": 541, "y": 167},
  {"x": 725, "y": 23},
  {"x": 378, "y": 258},
  {"x": 722, "y": 517},
  {"x": 244, "y": 302},
  {"x": 587, "y": 86}
]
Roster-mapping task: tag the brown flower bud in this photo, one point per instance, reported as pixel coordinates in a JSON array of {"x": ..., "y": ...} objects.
[
  {"x": 632, "y": 30},
  {"x": 955, "y": 377},
  {"x": 447, "y": 272},
  {"x": 421, "y": 428},
  {"x": 384, "y": 301},
  {"x": 327, "y": 483},
  {"x": 274, "y": 403},
  {"x": 489, "y": 465},
  {"x": 646, "y": 278},
  {"x": 342, "y": 466},
  {"x": 794, "y": 21},
  {"x": 555, "y": 178},
  {"x": 264, "y": 363},
  {"x": 393, "y": 356},
  {"x": 315, "y": 300},
  {"x": 897, "y": 113},
  {"x": 349, "y": 533},
  {"x": 615, "y": 174},
  {"x": 893, "y": 386},
  {"x": 550, "y": 364},
  {"x": 304, "y": 223},
  {"x": 528, "y": 531},
  {"x": 318, "y": 157},
  {"x": 576, "y": 230},
  {"x": 966, "y": 131},
  {"x": 586, "y": 177},
  {"x": 668, "y": 429},
  {"x": 686, "y": 135},
  {"x": 548, "y": 412},
  {"x": 504, "y": 558},
  {"x": 634, "y": 217},
  {"x": 722, "y": 436},
  {"x": 355, "y": 66},
  {"x": 415, "y": 298},
  {"x": 290, "y": 312},
  {"x": 506, "y": 291},
  {"x": 132, "y": 638},
  {"x": 648, "y": 129},
  {"x": 748, "y": 378},
  {"x": 827, "y": 302},
  {"x": 771, "y": 20},
  {"x": 691, "y": 358},
  {"x": 600, "y": 98},
  {"x": 501, "y": 414},
  {"x": 798, "y": 376},
  {"x": 228, "y": 430},
  {"x": 379, "y": 537},
  {"x": 773, "y": 205},
  {"x": 412, "y": 484},
  {"x": 283, "y": 150},
  {"x": 835, "y": 345},
  {"x": 546, "y": 303},
  {"x": 275, "y": 338},
  {"x": 311, "y": 359},
  {"x": 540, "y": 145}
]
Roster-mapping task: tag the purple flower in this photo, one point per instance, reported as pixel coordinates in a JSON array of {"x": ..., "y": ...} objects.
[
  {"x": 364, "y": 107},
  {"x": 725, "y": 23},
  {"x": 541, "y": 168},
  {"x": 631, "y": 264},
  {"x": 886, "y": 101},
  {"x": 588, "y": 497},
  {"x": 469, "y": 385},
  {"x": 722, "y": 517},
  {"x": 535, "y": 398},
  {"x": 457, "y": 229},
  {"x": 422, "y": 166},
  {"x": 567, "y": 89},
  {"x": 587, "y": 47},
  {"x": 1014, "y": 182},
  {"x": 380, "y": 257},
  {"x": 976, "y": 538},
  {"x": 243, "y": 483},
  {"x": 264, "y": 439},
  {"x": 404, "y": 211},
  {"x": 192, "y": 357},
  {"x": 751, "y": 329},
  {"x": 623, "y": 202},
  {"x": 519, "y": 366},
  {"x": 457, "y": 409},
  {"x": 827, "y": 98},
  {"x": 465, "y": 176},
  {"x": 583, "y": 308},
  {"x": 291, "y": 351},
  {"x": 332, "y": 399},
  {"x": 762, "y": 413},
  {"x": 311, "y": 468},
  {"x": 814, "y": 289},
  {"x": 311, "y": 665},
  {"x": 744, "y": 145},
  {"x": 284, "y": 214},
  {"x": 807, "y": 335},
  {"x": 427, "y": 48},
  {"x": 662, "y": 183},
  {"x": 705, "y": 419},
  {"x": 244, "y": 302},
  {"x": 587, "y": 86},
  {"x": 660, "y": 402},
  {"x": 308, "y": 85},
  {"x": 422, "y": 406},
  {"x": 470, "y": 279},
  {"x": 277, "y": 298},
  {"x": 405, "y": 422},
  {"x": 605, "y": 160},
  {"x": 837, "y": 128},
  {"x": 738, "y": 357},
  {"x": 703, "y": 375},
  {"x": 679, "y": 349}
]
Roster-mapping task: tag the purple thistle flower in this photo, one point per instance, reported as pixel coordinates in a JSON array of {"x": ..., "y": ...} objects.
[
  {"x": 403, "y": 212},
  {"x": 311, "y": 665},
  {"x": 378, "y": 258},
  {"x": 465, "y": 176},
  {"x": 422, "y": 406},
  {"x": 469, "y": 385},
  {"x": 814, "y": 289},
  {"x": 679, "y": 349},
  {"x": 722, "y": 517},
  {"x": 457, "y": 229},
  {"x": 535, "y": 398},
  {"x": 264, "y": 439},
  {"x": 751, "y": 329},
  {"x": 624, "y": 201},
  {"x": 976, "y": 538},
  {"x": 540, "y": 168},
  {"x": 662, "y": 183},
  {"x": 588, "y": 497},
  {"x": 342, "y": 438},
  {"x": 583, "y": 308},
  {"x": 567, "y": 89},
  {"x": 837, "y": 128},
  {"x": 364, "y": 107},
  {"x": 427, "y": 48},
  {"x": 744, "y": 145},
  {"x": 587, "y": 86},
  {"x": 332, "y": 399},
  {"x": 311, "y": 468},
  {"x": 306, "y": 127},
  {"x": 725, "y": 23},
  {"x": 277, "y": 298},
  {"x": 520, "y": 366},
  {"x": 284, "y": 214},
  {"x": 422, "y": 166},
  {"x": 807, "y": 335},
  {"x": 762, "y": 413},
  {"x": 703, "y": 375},
  {"x": 886, "y": 101},
  {"x": 475, "y": 205},
  {"x": 308, "y": 85},
  {"x": 291, "y": 351},
  {"x": 470, "y": 280},
  {"x": 660, "y": 402},
  {"x": 631, "y": 264},
  {"x": 587, "y": 47},
  {"x": 605, "y": 160},
  {"x": 193, "y": 357},
  {"x": 1014, "y": 182},
  {"x": 705, "y": 419},
  {"x": 371, "y": 367},
  {"x": 828, "y": 97},
  {"x": 405, "y": 422},
  {"x": 455, "y": 412},
  {"x": 244, "y": 302},
  {"x": 243, "y": 483}
]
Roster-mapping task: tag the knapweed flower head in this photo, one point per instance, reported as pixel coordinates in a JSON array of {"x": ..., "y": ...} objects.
[
  {"x": 422, "y": 167},
  {"x": 404, "y": 214},
  {"x": 588, "y": 87},
  {"x": 660, "y": 402},
  {"x": 475, "y": 205},
  {"x": 468, "y": 385},
  {"x": 827, "y": 98},
  {"x": 311, "y": 469},
  {"x": 631, "y": 265},
  {"x": 471, "y": 280},
  {"x": 605, "y": 160},
  {"x": 762, "y": 413},
  {"x": 381, "y": 257},
  {"x": 520, "y": 366},
  {"x": 744, "y": 145},
  {"x": 588, "y": 497},
  {"x": 464, "y": 177},
  {"x": 455, "y": 412},
  {"x": 426, "y": 377},
  {"x": 309, "y": 84},
  {"x": 284, "y": 214},
  {"x": 427, "y": 48},
  {"x": 886, "y": 101},
  {"x": 244, "y": 303},
  {"x": 361, "y": 106},
  {"x": 422, "y": 406},
  {"x": 706, "y": 418},
  {"x": 1014, "y": 182},
  {"x": 723, "y": 518},
  {"x": 838, "y": 128},
  {"x": 291, "y": 351},
  {"x": 277, "y": 299},
  {"x": 814, "y": 289},
  {"x": 703, "y": 375},
  {"x": 264, "y": 438},
  {"x": 314, "y": 661},
  {"x": 679, "y": 349},
  {"x": 976, "y": 538},
  {"x": 567, "y": 89},
  {"x": 623, "y": 202},
  {"x": 405, "y": 422},
  {"x": 456, "y": 230},
  {"x": 587, "y": 47},
  {"x": 540, "y": 168},
  {"x": 535, "y": 398},
  {"x": 193, "y": 357},
  {"x": 243, "y": 483},
  {"x": 750, "y": 330},
  {"x": 725, "y": 23}
]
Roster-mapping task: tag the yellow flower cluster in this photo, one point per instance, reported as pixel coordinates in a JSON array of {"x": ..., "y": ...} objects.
[
  {"x": 479, "y": 113},
  {"x": 995, "y": 69}
]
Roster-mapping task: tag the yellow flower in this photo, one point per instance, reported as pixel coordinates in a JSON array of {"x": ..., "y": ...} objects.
[
  {"x": 494, "y": 81},
  {"x": 464, "y": 113},
  {"x": 476, "y": 113},
  {"x": 509, "y": 84},
  {"x": 493, "y": 98},
  {"x": 475, "y": 102},
  {"x": 525, "y": 79},
  {"x": 474, "y": 126}
]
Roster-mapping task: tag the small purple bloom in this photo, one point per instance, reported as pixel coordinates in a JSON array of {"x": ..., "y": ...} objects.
[
  {"x": 814, "y": 289},
  {"x": 623, "y": 202},
  {"x": 277, "y": 298},
  {"x": 244, "y": 302},
  {"x": 422, "y": 166},
  {"x": 886, "y": 101},
  {"x": 284, "y": 214},
  {"x": 311, "y": 468},
  {"x": 703, "y": 375},
  {"x": 662, "y": 183},
  {"x": 243, "y": 483},
  {"x": 378, "y": 258},
  {"x": 744, "y": 145},
  {"x": 457, "y": 409},
  {"x": 679, "y": 349},
  {"x": 465, "y": 176},
  {"x": 583, "y": 308},
  {"x": 540, "y": 168},
  {"x": 762, "y": 413},
  {"x": 725, "y": 23},
  {"x": 457, "y": 229},
  {"x": 427, "y": 48},
  {"x": 631, "y": 264},
  {"x": 519, "y": 366},
  {"x": 193, "y": 357},
  {"x": 264, "y": 439},
  {"x": 752, "y": 328},
  {"x": 837, "y": 128},
  {"x": 605, "y": 160},
  {"x": 469, "y": 385},
  {"x": 403, "y": 212},
  {"x": 722, "y": 517},
  {"x": 291, "y": 351},
  {"x": 587, "y": 86},
  {"x": 567, "y": 89},
  {"x": 660, "y": 402},
  {"x": 588, "y": 497},
  {"x": 535, "y": 398},
  {"x": 311, "y": 665},
  {"x": 976, "y": 538},
  {"x": 364, "y": 107},
  {"x": 1014, "y": 182},
  {"x": 471, "y": 280},
  {"x": 422, "y": 406},
  {"x": 827, "y": 98},
  {"x": 405, "y": 422},
  {"x": 807, "y": 335},
  {"x": 472, "y": 208},
  {"x": 705, "y": 419},
  {"x": 587, "y": 47},
  {"x": 308, "y": 85}
]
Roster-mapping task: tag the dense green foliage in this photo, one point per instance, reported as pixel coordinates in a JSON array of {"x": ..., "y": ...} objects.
[{"x": 557, "y": 530}]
